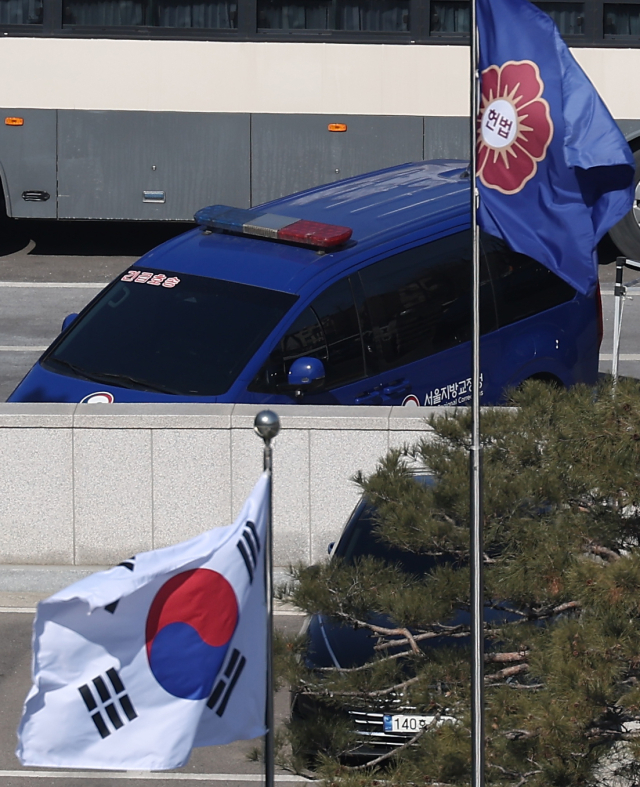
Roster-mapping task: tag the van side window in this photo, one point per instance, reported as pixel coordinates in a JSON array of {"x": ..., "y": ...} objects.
[
  {"x": 304, "y": 338},
  {"x": 328, "y": 330},
  {"x": 523, "y": 287},
  {"x": 337, "y": 313},
  {"x": 419, "y": 302}
]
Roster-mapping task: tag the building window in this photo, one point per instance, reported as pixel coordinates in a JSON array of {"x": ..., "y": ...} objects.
[
  {"x": 20, "y": 12},
  {"x": 569, "y": 17},
  {"x": 450, "y": 17},
  {"x": 354, "y": 15},
  {"x": 212, "y": 14},
  {"x": 621, "y": 19}
]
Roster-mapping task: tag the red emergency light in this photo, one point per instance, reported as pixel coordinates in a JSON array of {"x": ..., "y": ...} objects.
[{"x": 258, "y": 224}]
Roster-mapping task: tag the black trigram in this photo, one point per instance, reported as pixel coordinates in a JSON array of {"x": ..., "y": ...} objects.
[
  {"x": 106, "y": 701},
  {"x": 125, "y": 564},
  {"x": 222, "y": 692},
  {"x": 249, "y": 547}
]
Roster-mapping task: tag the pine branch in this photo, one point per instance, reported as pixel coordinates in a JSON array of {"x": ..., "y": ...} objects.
[
  {"x": 445, "y": 631},
  {"x": 507, "y": 672},
  {"x": 409, "y": 638},
  {"x": 597, "y": 549},
  {"x": 617, "y": 735},
  {"x": 366, "y": 666},
  {"x": 519, "y": 735},
  {"x": 564, "y": 607},
  {"x": 503, "y": 657},
  {"x": 393, "y": 752},
  {"x": 377, "y": 693},
  {"x": 540, "y": 613},
  {"x": 524, "y": 777}
]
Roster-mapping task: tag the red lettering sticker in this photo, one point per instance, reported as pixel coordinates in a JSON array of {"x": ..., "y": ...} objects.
[{"x": 147, "y": 277}]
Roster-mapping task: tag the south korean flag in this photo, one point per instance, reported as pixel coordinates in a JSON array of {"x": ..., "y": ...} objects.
[{"x": 134, "y": 666}]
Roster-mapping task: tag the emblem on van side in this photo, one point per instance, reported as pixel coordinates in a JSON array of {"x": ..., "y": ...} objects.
[{"x": 100, "y": 397}]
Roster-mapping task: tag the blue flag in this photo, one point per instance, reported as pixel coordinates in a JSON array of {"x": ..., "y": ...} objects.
[{"x": 554, "y": 171}]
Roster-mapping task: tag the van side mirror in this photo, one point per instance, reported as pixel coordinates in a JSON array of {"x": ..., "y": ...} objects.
[
  {"x": 305, "y": 375},
  {"x": 68, "y": 320}
]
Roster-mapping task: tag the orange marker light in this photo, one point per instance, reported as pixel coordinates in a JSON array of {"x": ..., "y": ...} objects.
[
  {"x": 14, "y": 121},
  {"x": 337, "y": 127}
]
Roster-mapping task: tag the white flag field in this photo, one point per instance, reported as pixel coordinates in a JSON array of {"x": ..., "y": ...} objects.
[{"x": 135, "y": 666}]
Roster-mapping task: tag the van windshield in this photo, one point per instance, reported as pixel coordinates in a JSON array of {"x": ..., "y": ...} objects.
[{"x": 170, "y": 333}]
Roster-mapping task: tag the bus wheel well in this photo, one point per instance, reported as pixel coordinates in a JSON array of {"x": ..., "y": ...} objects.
[
  {"x": 626, "y": 233},
  {"x": 544, "y": 377},
  {"x": 3, "y": 202}
]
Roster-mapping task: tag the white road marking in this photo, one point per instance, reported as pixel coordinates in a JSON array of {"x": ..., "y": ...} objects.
[
  {"x": 27, "y": 610},
  {"x": 622, "y": 356},
  {"x": 23, "y": 348},
  {"x": 152, "y": 776},
  {"x": 73, "y": 285}
]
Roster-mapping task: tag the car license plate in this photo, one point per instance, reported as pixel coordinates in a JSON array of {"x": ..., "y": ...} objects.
[{"x": 408, "y": 724}]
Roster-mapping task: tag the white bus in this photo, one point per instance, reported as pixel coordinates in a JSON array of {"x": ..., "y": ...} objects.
[{"x": 151, "y": 109}]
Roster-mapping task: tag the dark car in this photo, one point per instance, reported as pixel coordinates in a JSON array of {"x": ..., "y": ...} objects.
[{"x": 385, "y": 724}]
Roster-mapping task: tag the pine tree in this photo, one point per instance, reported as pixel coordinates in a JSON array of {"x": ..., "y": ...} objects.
[{"x": 562, "y": 561}]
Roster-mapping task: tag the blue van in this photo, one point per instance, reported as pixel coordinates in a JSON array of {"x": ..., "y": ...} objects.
[{"x": 358, "y": 292}]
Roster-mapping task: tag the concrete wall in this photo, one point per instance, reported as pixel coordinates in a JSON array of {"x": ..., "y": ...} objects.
[{"x": 93, "y": 484}]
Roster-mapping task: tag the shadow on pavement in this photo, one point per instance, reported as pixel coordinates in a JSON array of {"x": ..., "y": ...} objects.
[
  {"x": 12, "y": 237},
  {"x": 85, "y": 238}
]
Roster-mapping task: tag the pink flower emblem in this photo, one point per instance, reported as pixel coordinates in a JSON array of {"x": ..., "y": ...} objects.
[{"x": 514, "y": 126}]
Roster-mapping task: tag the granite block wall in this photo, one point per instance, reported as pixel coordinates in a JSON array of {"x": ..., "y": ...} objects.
[{"x": 93, "y": 484}]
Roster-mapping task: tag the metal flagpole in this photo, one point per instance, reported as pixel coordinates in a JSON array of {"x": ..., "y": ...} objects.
[
  {"x": 475, "y": 464},
  {"x": 267, "y": 426},
  {"x": 619, "y": 293}
]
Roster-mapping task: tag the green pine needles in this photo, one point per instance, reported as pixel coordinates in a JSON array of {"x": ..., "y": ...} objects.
[{"x": 562, "y": 563}]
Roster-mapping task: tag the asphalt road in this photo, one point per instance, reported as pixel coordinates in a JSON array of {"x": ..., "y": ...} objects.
[
  {"x": 225, "y": 766},
  {"x": 50, "y": 269}
]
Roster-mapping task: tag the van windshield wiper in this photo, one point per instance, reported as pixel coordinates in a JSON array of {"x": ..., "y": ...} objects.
[
  {"x": 134, "y": 382},
  {"x": 123, "y": 380}
]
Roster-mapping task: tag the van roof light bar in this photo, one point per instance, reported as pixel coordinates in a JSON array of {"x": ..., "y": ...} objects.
[{"x": 258, "y": 224}]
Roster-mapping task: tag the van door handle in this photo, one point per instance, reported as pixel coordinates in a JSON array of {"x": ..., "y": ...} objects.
[
  {"x": 369, "y": 397},
  {"x": 397, "y": 388}
]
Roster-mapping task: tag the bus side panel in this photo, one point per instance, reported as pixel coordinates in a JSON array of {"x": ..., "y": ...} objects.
[
  {"x": 294, "y": 152},
  {"x": 107, "y": 160},
  {"x": 28, "y": 158},
  {"x": 446, "y": 137},
  {"x": 630, "y": 128}
]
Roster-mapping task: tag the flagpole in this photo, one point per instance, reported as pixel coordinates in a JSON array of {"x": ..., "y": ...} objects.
[
  {"x": 267, "y": 426},
  {"x": 475, "y": 463}
]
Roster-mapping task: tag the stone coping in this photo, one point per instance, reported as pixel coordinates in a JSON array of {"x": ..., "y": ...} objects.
[{"x": 210, "y": 416}]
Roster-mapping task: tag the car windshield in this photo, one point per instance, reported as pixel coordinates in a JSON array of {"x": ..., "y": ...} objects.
[
  {"x": 362, "y": 540},
  {"x": 184, "y": 335}
]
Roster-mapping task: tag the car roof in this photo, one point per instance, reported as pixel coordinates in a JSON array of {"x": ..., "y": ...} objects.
[{"x": 378, "y": 207}]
